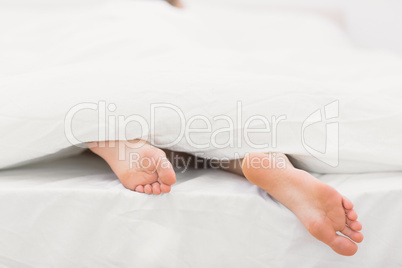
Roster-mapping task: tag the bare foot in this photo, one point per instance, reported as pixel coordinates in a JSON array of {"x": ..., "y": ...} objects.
[
  {"x": 139, "y": 166},
  {"x": 321, "y": 209}
]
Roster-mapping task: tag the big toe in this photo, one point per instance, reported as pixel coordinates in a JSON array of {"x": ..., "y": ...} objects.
[
  {"x": 165, "y": 188},
  {"x": 343, "y": 246},
  {"x": 340, "y": 244},
  {"x": 166, "y": 173}
]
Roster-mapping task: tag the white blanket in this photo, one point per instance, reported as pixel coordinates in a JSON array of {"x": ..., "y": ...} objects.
[{"x": 59, "y": 67}]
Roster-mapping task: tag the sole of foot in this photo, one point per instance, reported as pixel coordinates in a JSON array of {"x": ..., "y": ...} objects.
[
  {"x": 139, "y": 166},
  {"x": 321, "y": 209}
]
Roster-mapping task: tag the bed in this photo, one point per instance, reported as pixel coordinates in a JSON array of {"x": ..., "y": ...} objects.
[
  {"x": 74, "y": 213},
  {"x": 62, "y": 206}
]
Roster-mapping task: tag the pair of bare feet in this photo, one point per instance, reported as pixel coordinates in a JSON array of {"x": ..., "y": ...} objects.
[{"x": 323, "y": 211}]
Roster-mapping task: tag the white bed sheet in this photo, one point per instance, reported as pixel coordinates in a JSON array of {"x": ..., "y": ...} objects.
[{"x": 74, "y": 213}]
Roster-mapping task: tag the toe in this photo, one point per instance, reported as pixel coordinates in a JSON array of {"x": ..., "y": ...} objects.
[
  {"x": 351, "y": 214},
  {"x": 165, "y": 188},
  {"x": 139, "y": 189},
  {"x": 347, "y": 204},
  {"x": 328, "y": 235},
  {"x": 148, "y": 189},
  {"x": 343, "y": 246},
  {"x": 355, "y": 236},
  {"x": 156, "y": 189},
  {"x": 354, "y": 225},
  {"x": 165, "y": 172}
]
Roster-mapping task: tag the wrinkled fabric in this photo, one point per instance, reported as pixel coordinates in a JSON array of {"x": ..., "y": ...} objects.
[
  {"x": 74, "y": 212},
  {"x": 132, "y": 55}
]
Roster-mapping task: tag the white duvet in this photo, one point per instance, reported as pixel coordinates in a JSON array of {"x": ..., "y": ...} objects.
[{"x": 70, "y": 71}]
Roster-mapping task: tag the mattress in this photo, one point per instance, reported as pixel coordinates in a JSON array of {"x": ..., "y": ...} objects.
[{"x": 74, "y": 212}]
